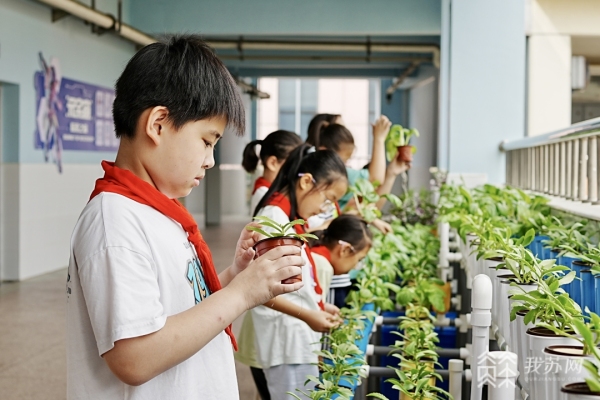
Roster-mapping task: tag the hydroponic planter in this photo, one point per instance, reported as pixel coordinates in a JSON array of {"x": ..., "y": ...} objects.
[
  {"x": 539, "y": 339},
  {"x": 573, "y": 288},
  {"x": 493, "y": 274},
  {"x": 523, "y": 347},
  {"x": 569, "y": 369},
  {"x": 588, "y": 295},
  {"x": 579, "y": 391},
  {"x": 514, "y": 325}
]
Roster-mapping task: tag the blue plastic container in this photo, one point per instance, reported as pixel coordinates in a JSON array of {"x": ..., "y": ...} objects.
[
  {"x": 596, "y": 290},
  {"x": 575, "y": 286},
  {"x": 588, "y": 294},
  {"x": 538, "y": 248}
]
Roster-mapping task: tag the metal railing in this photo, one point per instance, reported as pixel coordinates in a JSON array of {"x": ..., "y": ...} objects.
[{"x": 562, "y": 163}]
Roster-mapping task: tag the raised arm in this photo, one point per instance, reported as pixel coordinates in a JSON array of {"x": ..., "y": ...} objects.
[{"x": 381, "y": 128}]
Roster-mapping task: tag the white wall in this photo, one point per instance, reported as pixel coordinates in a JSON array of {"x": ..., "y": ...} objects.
[
  {"x": 40, "y": 206},
  {"x": 549, "y": 83}
]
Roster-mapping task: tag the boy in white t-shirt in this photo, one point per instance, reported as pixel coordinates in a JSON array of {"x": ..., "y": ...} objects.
[{"x": 147, "y": 315}]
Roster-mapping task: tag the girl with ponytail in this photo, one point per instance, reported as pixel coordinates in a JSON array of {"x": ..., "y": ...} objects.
[
  {"x": 287, "y": 330},
  {"x": 340, "y": 247},
  {"x": 274, "y": 150}
]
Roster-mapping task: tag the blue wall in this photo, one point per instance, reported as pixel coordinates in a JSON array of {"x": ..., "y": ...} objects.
[
  {"x": 487, "y": 83},
  {"x": 289, "y": 17},
  {"x": 25, "y": 29}
]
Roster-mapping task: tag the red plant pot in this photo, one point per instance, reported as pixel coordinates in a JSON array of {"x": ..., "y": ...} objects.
[
  {"x": 405, "y": 153},
  {"x": 263, "y": 246}
]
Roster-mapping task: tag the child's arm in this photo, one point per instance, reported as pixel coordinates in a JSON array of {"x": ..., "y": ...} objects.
[
  {"x": 381, "y": 128},
  {"x": 319, "y": 321},
  {"x": 137, "y": 360},
  {"x": 394, "y": 169}
]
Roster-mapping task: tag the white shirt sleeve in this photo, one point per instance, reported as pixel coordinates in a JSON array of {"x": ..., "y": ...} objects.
[{"x": 122, "y": 296}]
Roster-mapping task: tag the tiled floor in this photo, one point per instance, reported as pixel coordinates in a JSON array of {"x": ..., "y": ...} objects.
[{"x": 32, "y": 329}]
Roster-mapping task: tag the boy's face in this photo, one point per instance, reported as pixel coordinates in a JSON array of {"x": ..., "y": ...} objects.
[{"x": 181, "y": 157}]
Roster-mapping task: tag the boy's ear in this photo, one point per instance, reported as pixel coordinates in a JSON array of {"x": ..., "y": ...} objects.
[{"x": 155, "y": 123}]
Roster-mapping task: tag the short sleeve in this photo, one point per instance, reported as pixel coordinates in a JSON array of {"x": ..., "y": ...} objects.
[
  {"x": 122, "y": 296},
  {"x": 353, "y": 176}
]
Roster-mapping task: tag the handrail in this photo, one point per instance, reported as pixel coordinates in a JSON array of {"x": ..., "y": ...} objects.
[{"x": 579, "y": 129}]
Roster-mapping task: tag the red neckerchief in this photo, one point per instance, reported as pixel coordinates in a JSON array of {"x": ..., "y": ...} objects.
[
  {"x": 337, "y": 207},
  {"x": 281, "y": 201},
  {"x": 322, "y": 251},
  {"x": 125, "y": 183},
  {"x": 261, "y": 182}
]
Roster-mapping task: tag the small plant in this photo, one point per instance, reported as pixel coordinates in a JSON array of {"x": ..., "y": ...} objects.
[
  {"x": 398, "y": 136},
  {"x": 280, "y": 230}
]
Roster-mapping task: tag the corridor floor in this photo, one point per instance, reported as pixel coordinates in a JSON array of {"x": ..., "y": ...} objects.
[{"x": 32, "y": 328}]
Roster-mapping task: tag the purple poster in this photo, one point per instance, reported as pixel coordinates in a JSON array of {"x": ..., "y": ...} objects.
[{"x": 71, "y": 115}]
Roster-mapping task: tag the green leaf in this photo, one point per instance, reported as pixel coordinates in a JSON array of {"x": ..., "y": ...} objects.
[{"x": 377, "y": 396}]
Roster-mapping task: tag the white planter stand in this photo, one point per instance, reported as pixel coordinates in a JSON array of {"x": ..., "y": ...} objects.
[
  {"x": 539, "y": 339},
  {"x": 568, "y": 369}
]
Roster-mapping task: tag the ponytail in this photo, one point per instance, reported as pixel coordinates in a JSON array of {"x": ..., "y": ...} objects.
[
  {"x": 279, "y": 144},
  {"x": 314, "y": 129},
  {"x": 250, "y": 160},
  {"x": 325, "y": 166}
]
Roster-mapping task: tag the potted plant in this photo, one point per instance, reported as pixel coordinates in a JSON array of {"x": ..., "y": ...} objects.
[
  {"x": 398, "y": 140},
  {"x": 276, "y": 235}
]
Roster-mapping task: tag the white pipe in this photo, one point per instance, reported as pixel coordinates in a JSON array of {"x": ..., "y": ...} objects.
[
  {"x": 481, "y": 319},
  {"x": 455, "y": 368},
  {"x": 444, "y": 234},
  {"x": 100, "y": 19},
  {"x": 502, "y": 367}
]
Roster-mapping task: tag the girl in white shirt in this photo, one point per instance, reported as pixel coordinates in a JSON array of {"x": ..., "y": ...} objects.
[
  {"x": 287, "y": 329},
  {"x": 274, "y": 150}
]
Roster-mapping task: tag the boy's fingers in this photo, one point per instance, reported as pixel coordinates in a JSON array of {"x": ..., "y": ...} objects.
[
  {"x": 287, "y": 272},
  {"x": 288, "y": 287}
]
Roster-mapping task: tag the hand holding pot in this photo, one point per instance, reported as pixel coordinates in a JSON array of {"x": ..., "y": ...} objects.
[
  {"x": 261, "y": 280},
  {"x": 397, "y": 166},
  {"x": 383, "y": 226},
  {"x": 244, "y": 253},
  {"x": 319, "y": 321}
]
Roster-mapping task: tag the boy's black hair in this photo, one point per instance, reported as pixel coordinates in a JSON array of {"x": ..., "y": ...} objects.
[
  {"x": 183, "y": 74},
  {"x": 334, "y": 136},
  {"x": 279, "y": 144},
  {"x": 325, "y": 166},
  {"x": 316, "y": 124},
  {"x": 346, "y": 227}
]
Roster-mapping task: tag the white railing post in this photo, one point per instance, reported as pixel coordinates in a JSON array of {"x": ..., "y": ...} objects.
[
  {"x": 583, "y": 161},
  {"x": 532, "y": 168},
  {"x": 593, "y": 169},
  {"x": 551, "y": 168},
  {"x": 556, "y": 169},
  {"x": 575, "y": 176},
  {"x": 569, "y": 170},
  {"x": 563, "y": 171},
  {"x": 546, "y": 168}
]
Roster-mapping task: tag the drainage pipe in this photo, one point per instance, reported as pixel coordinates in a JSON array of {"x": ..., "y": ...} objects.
[{"x": 481, "y": 319}]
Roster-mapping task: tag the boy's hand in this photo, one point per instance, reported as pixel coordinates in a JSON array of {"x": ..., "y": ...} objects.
[
  {"x": 244, "y": 253},
  {"x": 319, "y": 321},
  {"x": 261, "y": 280},
  {"x": 381, "y": 127}
]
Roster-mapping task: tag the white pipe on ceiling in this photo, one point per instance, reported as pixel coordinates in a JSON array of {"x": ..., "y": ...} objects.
[{"x": 108, "y": 22}]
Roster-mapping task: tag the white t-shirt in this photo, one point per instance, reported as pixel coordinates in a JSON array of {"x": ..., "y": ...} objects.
[
  {"x": 131, "y": 267},
  {"x": 280, "y": 338},
  {"x": 257, "y": 197}
]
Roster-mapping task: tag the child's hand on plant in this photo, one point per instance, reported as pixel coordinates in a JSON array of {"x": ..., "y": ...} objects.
[
  {"x": 261, "y": 280},
  {"x": 332, "y": 309},
  {"x": 381, "y": 127},
  {"x": 319, "y": 321},
  {"x": 244, "y": 253},
  {"x": 383, "y": 226}
]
